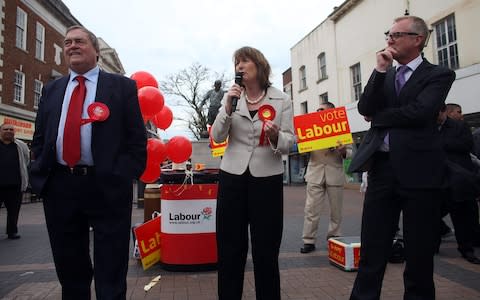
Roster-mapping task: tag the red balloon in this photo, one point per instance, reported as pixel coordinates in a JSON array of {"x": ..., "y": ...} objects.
[
  {"x": 164, "y": 118},
  {"x": 156, "y": 151},
  {"x": 179, "y": 149},
  {"x": 151, "y": 101},
  {"x": 151, "y": 173},
  {"x": 143, "y": 79}
]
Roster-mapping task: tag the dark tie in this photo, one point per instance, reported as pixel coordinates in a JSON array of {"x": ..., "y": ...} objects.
[
  {"x": 71, "y": 132},
  {"x": 400, "y": 78}
]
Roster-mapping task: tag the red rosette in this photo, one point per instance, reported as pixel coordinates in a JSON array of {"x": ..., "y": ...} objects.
[
  {"x": 266, "y": 112},
  {"x": 97, "y": 112}
]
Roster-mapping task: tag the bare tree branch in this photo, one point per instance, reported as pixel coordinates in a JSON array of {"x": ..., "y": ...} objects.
[{"x": 190, "y": 85}]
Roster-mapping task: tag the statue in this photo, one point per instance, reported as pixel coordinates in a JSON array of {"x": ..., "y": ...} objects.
[{"x": 214, "y": 96}]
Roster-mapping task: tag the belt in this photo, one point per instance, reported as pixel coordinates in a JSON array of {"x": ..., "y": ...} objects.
[{"x": 79, "y": 170}]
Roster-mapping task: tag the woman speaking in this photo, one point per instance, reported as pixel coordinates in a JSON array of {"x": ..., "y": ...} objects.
[{"x": 259, "y": 129}]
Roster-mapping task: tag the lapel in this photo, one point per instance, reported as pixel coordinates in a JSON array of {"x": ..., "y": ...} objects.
[
  {"x": 418, "y": 75},
  {"x": 390, "y": 88},
  {"x": 104, "y": 89},
  {"x": 104, "y": 95},
  {"x": 55, "y": 105},
  {"x": 271, "y": 98},
  {"x": 242, "y": 108}
]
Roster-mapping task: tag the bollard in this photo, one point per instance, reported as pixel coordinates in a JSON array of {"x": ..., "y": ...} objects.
[{"x": 151, "y": 201}]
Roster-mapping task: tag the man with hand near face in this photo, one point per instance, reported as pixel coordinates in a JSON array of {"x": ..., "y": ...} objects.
[{"x": 402, "y": 152}]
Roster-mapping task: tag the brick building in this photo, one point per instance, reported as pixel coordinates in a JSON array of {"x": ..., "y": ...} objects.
[{"x": 31, "y": 39}]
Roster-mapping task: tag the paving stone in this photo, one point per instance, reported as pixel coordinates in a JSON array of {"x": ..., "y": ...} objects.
[{"x": 27, "y": 270}]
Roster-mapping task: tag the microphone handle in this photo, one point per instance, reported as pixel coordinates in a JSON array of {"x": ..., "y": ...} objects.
[{"x": 234, "y": 104}]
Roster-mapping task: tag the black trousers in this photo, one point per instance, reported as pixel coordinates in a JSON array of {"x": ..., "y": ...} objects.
[
  {"x": 463, "y": 215},
  {"x": 384, "y": 200},
  {"x": 72, "y": 204},
  {"x": 11, "y": 197},
  {"x": 243, "y": 201}
]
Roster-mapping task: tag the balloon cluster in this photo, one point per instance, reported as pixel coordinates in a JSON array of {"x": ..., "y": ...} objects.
[{"x": 152, "y": 106}]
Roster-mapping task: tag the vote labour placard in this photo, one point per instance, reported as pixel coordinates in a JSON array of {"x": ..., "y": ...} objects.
[
  {"x": 323, "y": 129},
  {"x": 148, "y": 239}
]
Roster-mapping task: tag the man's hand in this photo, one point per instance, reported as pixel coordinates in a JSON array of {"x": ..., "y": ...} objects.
[
  {"x": 385, "y": 59},
  {"x": 342, "y": 149}
]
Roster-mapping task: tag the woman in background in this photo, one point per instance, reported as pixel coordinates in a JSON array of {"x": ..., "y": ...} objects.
[{"x": 250, "y": 191}]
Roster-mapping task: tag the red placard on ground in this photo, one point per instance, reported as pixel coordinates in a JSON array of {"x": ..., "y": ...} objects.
[
  {"x": 148, "y": 238},
  {"x": 323, "y": 129},
  {"x": 344, "y": 252}
]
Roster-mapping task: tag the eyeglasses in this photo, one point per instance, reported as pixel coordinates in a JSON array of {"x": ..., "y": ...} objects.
[
  {"x": 320, "y": 109},
  {"x": 396, "y": 35}
]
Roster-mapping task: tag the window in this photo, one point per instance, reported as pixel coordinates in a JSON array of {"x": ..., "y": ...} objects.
[
  {"x": 37, "y": 90},
  {"x": 58, "y": 54},
  {"x": 446, "y": 38},
  {"x": 39, "y": 41},
  {"x": 322, "y": 66},
  {"x": 303, "y": 78},
  {"x": 19, "y": 87},
  {"x": 21, "y": 33},
  {"x": 356, "y": 81},
  {"x": 324, "y": 98},
  {"x": 303, "y": 108}
]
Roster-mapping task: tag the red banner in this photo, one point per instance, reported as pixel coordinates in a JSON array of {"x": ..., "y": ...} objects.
[
  {"x": 148, "y": 239},
  {"x": 323, "y": 129}
]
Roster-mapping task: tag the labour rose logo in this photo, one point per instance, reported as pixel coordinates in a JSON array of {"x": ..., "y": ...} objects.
[{"x": 207, "y": 213}]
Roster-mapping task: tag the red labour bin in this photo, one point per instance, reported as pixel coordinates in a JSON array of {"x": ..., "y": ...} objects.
[{"x": 188, "y": 234}]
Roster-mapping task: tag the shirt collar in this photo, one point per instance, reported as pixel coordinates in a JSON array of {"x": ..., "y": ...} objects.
[
  {"x": 91, "y": 75},
  {"x": 413, "y": 64}
]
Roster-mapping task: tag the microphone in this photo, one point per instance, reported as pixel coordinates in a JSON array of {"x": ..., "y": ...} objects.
[{"x": 238, "y": 80}]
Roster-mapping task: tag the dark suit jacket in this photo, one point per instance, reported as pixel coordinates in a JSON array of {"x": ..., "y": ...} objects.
[
  {"x": 457, "y": 140},
  {"x": 118, "y": 143},
  {"x": 410, "y": 119}
]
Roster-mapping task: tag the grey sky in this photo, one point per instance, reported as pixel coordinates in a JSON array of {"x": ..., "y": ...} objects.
[{"x": 163, "y": 37}]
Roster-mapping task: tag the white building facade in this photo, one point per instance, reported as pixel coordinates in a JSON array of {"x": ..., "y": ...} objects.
[
  {"x": 344, "y": 46},
  {"x": 334, "y": 61}
]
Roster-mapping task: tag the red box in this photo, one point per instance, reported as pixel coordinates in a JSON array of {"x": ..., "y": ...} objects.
[
  {"x": 344, "y": 252},
  {"x": 188, "y": 227}
]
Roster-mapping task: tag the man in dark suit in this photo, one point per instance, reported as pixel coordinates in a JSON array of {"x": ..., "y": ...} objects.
[
  {"x": 86, "y": 181},
  {"x": 459, "y": 199},
  {"x": 402, "y": 152}
]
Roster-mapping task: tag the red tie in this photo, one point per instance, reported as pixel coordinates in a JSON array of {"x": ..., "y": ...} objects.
[{"x": 71, "y": 132}]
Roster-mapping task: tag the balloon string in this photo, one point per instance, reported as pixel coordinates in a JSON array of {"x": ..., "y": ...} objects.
[
  {"x": 182, "y": 187},
  {"x": 153, "y": 133}
]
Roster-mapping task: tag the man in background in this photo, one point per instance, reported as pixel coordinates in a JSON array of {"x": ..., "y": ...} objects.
[
  {"x": 454, "y": 111},
  {"x": 459, "y": 199},
  {"x": 325, "y": 177},
  {"x": 14, "y": 159}
]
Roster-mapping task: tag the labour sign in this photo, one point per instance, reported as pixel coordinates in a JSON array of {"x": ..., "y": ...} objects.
[
  {"x": 218, "y": 149},
  {"x": 148, "y": 238},
  {"x": 323, "y": 129}
]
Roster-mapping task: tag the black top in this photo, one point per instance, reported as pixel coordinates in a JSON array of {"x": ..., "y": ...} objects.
[
  {"x": 9, "y": 165},
  {"x": 253, "y": 112}
]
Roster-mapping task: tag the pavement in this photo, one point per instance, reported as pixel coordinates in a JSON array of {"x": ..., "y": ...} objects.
[{"x": 27, "y": 270}]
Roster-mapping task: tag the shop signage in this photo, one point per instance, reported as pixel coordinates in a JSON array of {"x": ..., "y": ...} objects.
[{"x": 23, "y": 129}]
